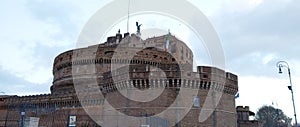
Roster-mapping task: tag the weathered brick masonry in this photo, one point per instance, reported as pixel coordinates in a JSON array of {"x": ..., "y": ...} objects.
[{"x": 128, "y": 64}]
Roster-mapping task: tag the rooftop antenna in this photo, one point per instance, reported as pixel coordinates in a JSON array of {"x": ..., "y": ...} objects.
[{"x": 128, "y": 16}]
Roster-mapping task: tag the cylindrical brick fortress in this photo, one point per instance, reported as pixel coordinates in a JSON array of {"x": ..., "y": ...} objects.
[
  {"x": 131, "y": 64},
  {"x": 127, "y": 82}
]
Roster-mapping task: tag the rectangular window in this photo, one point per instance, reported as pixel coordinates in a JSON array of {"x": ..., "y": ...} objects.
[{"x": 196, "y": 101}]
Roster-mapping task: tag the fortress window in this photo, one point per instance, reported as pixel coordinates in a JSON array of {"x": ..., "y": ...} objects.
[
  {"x": 138, "y": 83},
  {"x": 154, "y": 56},
  {"x": 144, "y": 83},
  {"x": 175, "y": 83},
  {"x": 170, "y": 83},
  {"x": 134, "y": 83},
  {"x": 160, "y": 82},
  {"x": 196, "y": 101},
  {"x": 109, "y": 52},
  {"x": 204, "y": 76},
  {"x": 193, "y": 83},
  {"x": 188, "y": 84},
  {"x": 201, "y": 84}
]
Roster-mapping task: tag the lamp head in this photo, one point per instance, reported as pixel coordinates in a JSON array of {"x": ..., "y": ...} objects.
[{"x": 280, "y": 71}]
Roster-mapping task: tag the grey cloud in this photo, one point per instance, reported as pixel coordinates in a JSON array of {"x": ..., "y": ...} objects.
[
  {"x": 270, "y": 28},
  {"x": 12, "y": 85}
]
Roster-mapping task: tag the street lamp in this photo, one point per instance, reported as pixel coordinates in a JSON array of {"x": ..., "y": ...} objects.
[{"x": 280, "y": 65}]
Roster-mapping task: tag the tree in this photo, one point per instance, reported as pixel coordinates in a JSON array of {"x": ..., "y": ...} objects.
[{"x": 272, "y": 117}]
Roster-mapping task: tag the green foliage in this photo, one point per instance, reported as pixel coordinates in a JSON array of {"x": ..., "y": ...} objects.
[{"x": 272, "y": 117}]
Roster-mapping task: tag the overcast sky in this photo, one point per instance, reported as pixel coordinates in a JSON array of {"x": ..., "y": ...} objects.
[{"x": 255, "y": 34}]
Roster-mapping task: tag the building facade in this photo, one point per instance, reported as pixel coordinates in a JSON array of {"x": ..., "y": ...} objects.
[{"x": 109, "y": 84}]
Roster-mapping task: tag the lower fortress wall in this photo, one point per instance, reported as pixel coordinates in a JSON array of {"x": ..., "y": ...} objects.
[
  {"x": 55, "y": 113},
  {"x": 49, "y": 115}
]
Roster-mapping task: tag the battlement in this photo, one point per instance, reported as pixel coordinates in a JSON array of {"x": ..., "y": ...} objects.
[
  {"x": 242, "y": 109},
  {"x": 114, "y": 40},
  {"x": 218, "y": 75}
]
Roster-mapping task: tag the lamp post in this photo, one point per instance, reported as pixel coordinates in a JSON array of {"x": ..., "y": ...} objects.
[{"x": 280, "y": 65}]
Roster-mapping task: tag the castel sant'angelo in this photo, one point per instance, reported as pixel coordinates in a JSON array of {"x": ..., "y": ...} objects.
[{"x": 129, "y": 82}]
